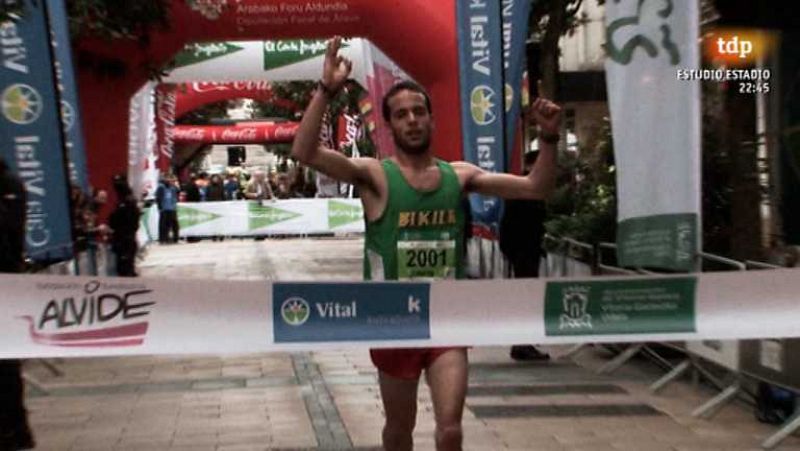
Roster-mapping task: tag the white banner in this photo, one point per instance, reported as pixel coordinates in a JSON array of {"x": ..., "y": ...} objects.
[
  {"x": 250, "y": 218},
  {"x": 49, "y": 316},
  {"x": 656, "y": 128},
  {"x": 142, "y": 171}
]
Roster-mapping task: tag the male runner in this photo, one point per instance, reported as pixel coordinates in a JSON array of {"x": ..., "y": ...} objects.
[{"x": 414, "y": 231}]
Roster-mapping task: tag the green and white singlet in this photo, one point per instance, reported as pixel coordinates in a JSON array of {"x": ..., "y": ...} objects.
[{"x": 419, "y": 236}]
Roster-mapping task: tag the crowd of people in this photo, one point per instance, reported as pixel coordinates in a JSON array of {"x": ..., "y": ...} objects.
[{"x": 237, "y": 184}]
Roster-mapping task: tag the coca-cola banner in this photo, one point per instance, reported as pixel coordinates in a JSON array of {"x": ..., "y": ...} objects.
[
  {"x": 166, "y": 96},
  {"x": 190, "y": 96},
  {"x": 348, "y": 133},
  {"x": 261, "y": 133},
  {"x": 142, "y": 149}
]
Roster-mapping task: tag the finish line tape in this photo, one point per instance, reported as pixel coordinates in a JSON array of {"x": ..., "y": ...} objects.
[{"x": 62, "y": 316}]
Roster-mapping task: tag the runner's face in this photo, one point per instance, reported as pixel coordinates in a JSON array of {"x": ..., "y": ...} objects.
[{"x": 410, "y": 121}]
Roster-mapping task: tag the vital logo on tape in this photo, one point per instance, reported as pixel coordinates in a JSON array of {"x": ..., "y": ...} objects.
[
  {"x": 295, "y": 311},
  {"x": 644, "y": 306},
  {"x": 101, "y": 315},
  {"x": 309, "y": 312}
]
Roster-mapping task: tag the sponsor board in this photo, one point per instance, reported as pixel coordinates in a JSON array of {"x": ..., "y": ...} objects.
[
  {"x": 620, "y": 307},
  {"x": 309, "y": 312},
  {"x": 96, "y": 314}
]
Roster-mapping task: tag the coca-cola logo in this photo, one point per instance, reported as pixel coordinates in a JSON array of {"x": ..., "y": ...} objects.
[
  {"x": 284, "y": 132},
  {"x": 240, "y": 134},
  {"x": 210, "y": 86},
  {"x": 166, "y": 118},
  {"x": 189, "y": 134}
]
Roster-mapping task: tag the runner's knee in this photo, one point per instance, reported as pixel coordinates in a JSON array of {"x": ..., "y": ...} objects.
[
  {"x": 449, "y": 436},
  {"x": 398, "y": 436}
]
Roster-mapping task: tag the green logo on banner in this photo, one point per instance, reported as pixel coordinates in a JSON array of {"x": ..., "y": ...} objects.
[
  {"x": 197, "y": 53},
  {"x": 190, "y": 217},
  {"x": 265, "y": 216},
  {"x": 21, "y": 104},
  {"x": 620, "y": 307},
  {"x": 482, "y": 105},
  {"x": 341, "y": 213},
  {"x": 283, "y": 53},
  {"x": 295, "y": 311}
]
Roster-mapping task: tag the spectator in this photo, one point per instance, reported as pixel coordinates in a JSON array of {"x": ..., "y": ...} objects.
[
  {"x": 258, "y": 188},
  {"x": 191, "y": 189},
  {"x": 202, "y": 185},
  {"x": 215, "y": 191},
  {"x": 521, "y": 232},
  {"x": 167, "y": 203},
  {"x": 15, "y": 432},
  {"x": 124, "y": 222},
  {"x": 231, "y": 187},
  {"x": 283, "y": 187}
]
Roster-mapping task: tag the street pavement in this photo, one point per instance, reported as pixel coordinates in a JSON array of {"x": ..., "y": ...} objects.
[{"x": 330, "y": 400}]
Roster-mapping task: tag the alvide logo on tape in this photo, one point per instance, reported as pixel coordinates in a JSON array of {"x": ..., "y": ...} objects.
[{"x": 97, "y": 315}]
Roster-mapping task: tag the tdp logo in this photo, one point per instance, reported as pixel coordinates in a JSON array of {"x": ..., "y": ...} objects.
[
  {"x": 734, "y": 46},
  {"x": 737, "y": 47}
]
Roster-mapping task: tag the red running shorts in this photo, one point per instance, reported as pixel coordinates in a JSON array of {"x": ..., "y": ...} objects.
[{"x": 405, "y": 363}]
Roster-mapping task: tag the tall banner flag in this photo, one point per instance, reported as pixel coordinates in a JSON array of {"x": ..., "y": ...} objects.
[
  {"x": 656, "y": 130},
  {"x": 142, "y": 156},
  {"x": 481, "y": 62},
  {"x": 515, "y": 32},
  {"x": 30, "y": 133},
  {"x": 166, "y": 100},
  {"x": 70, "y": 117}
]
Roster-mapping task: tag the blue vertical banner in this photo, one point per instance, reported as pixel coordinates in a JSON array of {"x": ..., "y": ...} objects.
[
  {"x": 480, "y": 54},
  {"x": 30, "y": 133},
  {"x": 70, "y": 117},
  {"x": 515, "y": 32}
]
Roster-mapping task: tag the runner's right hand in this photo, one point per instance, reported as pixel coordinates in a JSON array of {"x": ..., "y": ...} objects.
[{"x": 337, "y": 68}]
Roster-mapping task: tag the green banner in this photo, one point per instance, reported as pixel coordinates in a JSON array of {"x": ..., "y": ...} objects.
[
  {"x": 659, "y": 241},
  {"x": 283, "y": 53},
  {"x": 197, "y": 53},
  {"x": 620, "y": 307},
  {"x": 265, "y": 216},
  {"x": 341, "y": 213},
  {"x": 189, "y": 217}
]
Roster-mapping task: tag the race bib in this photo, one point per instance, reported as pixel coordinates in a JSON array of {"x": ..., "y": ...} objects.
[{"x": 426, "y": 257}]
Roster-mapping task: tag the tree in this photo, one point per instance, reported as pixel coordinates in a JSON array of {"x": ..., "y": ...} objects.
[{"x": 548, "y": 22}]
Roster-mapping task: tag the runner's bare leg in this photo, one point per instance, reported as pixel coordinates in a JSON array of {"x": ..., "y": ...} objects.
[
  {"x": 400, "y": 404},
  {"x": 447, "y": 378}
]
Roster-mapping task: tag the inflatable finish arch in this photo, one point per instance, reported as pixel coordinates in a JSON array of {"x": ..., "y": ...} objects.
[
  {"x": 191, "y": 96},
  {"x": 418, "y": 34}
]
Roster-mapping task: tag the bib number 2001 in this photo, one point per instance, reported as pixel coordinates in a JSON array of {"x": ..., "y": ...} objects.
[{"x": 426, "y": 259}]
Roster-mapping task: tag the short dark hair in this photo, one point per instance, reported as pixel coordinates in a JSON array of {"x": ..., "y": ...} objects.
[{"x": 406, "y": 85}]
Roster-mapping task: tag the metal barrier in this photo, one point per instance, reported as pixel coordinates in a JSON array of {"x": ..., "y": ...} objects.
[{"x": 761, "y": 360}]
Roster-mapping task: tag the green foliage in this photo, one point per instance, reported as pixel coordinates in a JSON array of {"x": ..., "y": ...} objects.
[
  {"x": 116, "y": 19},
  {"x": 584, "y": 204}
]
